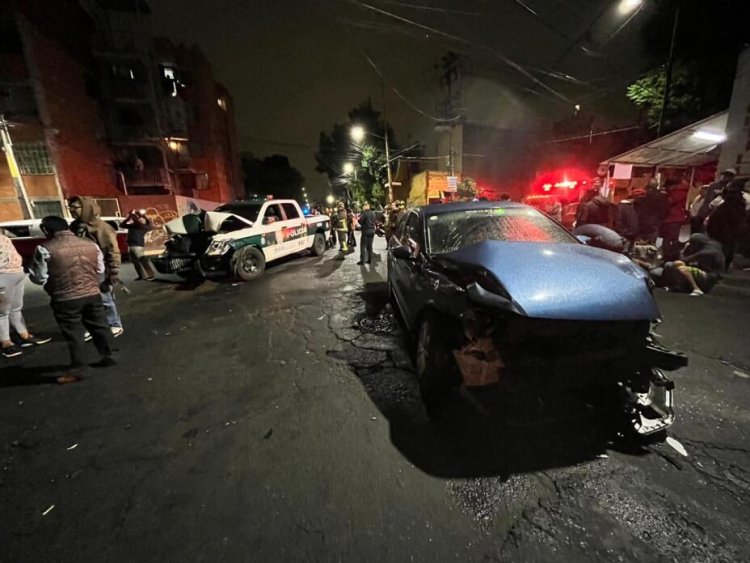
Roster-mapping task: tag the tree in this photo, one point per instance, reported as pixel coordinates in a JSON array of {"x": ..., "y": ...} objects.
[
  {"x": 336, "y": 148},
  {"x": 272, "y": 175},
  {"x": 687, "y": 101},
  {"x": 467, "y": 189}
]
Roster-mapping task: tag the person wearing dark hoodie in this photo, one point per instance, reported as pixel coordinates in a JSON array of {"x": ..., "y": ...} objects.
[
  {"x": 88, "y": 224},
  {"x": 725, "y": 223},
  {"x": 626, "y": 220},
  {"x": 595, "y": 211},
  {"x": 700, "y": 268},
  {"x": 651, "y": 210}
]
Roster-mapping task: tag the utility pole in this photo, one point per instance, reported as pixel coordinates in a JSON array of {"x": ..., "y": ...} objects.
[
  {"x": 389, "y": 193},
  {"x": 15, "y": 173},
  {"x": 668, "y": 78}
]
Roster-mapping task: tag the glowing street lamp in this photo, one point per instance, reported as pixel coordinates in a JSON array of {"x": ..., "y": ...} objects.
[
  {"x": 628, "y": 6},
  {"x": 330, "y": 199},
  {"x": 358, "y": 133},
  {"x": 348, "y": 168}
]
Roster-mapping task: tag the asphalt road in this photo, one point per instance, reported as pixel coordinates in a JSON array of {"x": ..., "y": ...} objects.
[{"x": 259, "y": 422}]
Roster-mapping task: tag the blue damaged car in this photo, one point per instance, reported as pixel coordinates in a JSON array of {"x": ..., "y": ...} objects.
[{"x": 498, "y": 293}]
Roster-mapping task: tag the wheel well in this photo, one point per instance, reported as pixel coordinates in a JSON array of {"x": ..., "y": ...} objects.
[{"x": 236, "y": 250}]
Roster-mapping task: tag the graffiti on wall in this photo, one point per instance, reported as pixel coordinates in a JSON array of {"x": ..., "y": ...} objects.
[{"x": 157, "y": 237}]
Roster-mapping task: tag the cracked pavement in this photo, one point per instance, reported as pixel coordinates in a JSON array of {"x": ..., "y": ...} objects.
[{"x": 260, "y": 421}]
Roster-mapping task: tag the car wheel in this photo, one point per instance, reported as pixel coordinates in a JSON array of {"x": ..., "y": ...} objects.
[
  {"x": 319, "y": 244},
  {"x": 248, "y": 263},
  {"x": 437, "y": 372}
]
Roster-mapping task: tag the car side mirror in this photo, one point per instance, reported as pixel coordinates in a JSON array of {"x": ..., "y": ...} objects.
[{"x": 403, "y": 252}]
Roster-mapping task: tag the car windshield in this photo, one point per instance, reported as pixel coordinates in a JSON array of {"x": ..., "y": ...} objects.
[
  {"x": 457, "y": 229},
  {"x": 247, "y": 211}
]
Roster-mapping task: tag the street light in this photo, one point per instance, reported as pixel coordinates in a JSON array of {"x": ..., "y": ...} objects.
[
  {"x": 358, "y": 133},
  {"x": 628, "y": 6},
  {"x": 348, "y": 168},
  {"x": 330, "y": 199}
]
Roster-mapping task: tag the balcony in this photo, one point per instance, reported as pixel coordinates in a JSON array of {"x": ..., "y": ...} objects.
[{"x": 145, "y": 181}]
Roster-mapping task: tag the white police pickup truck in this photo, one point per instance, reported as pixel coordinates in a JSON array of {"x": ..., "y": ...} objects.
[{"x": 240, "y": 238}]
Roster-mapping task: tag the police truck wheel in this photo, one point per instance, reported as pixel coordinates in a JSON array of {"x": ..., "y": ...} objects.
[
  {"x": 248, "y": 263},
  {"x": 319, "y": 244}
]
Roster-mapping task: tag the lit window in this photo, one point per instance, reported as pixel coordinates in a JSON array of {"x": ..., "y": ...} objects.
[
  {"x": 222, "y": 103},
  {"x": 33, "y": 158}
]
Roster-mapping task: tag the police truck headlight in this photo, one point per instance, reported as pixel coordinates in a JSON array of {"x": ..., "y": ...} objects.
[{"x": 217, "y": 248}]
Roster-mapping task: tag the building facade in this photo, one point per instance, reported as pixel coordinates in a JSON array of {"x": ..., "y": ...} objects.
[{"x": 94, "y": 105}]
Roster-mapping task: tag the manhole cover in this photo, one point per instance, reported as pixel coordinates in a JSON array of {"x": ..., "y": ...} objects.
[{"x": 383, "y": 323}]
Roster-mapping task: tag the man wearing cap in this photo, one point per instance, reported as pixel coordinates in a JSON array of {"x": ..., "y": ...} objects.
[{"x": 712, "y": 192}]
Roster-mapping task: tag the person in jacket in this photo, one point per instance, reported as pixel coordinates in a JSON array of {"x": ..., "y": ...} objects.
[
  {"x": 626, "y": 221},
  {"x": 696, "y": 222},
  {"x": 351, "y": 240},
  {"x": 69, "y": 268},
  {"x": 651, "y": 210},
  {"x": 595, "y": 210},
  {"x": 12, "y": 279},
  {"x": 340, "y": 225},
  {"x": 712, "y": 192},
  {"x": 700, "y": 268},
  {"x": 88, "y": 224},
  {"x": 137, "y": 225},
  {"x": 726, "y": 222},
  {"x": 367, "y": 224},
  {"x": 676, "y": 216}
]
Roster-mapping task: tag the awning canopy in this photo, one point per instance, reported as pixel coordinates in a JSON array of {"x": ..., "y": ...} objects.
[{"x": 690, "y": 146}]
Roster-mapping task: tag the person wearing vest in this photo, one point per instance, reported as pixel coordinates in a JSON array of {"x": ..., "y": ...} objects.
[{"x": 69, "y": 268}]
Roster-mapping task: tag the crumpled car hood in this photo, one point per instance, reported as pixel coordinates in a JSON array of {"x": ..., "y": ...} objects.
[{"x": 565, "y": 281}]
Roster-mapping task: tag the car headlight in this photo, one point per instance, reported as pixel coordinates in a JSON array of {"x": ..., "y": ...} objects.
[{"x": 217, "y": 248}]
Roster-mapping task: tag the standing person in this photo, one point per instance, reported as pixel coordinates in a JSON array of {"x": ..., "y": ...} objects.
[
  {"x": 87, "y": 224},
  {"x": 595, "y": 210},
  {"x": 651, "y": 210},
  {"x": 696, "y": 223},
  {"x": 351, "y": 240},
  {"x": 12, "y": 281},
  {"x": 341, "y": 228},
  {"x": 69, "y": 268},
  {"x": 138, "y": 225},
  {"x": 712, "y": 192},
  {"x": 725, "y": 223},
  {"x": 676, "y": 216},
  {"x": 367, "y": 224},
  {"x": 626, "y": 221}
]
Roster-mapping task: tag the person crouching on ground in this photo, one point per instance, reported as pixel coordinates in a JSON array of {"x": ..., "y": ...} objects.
[
  {"x": 138, "y": 225},
  {"x": 88, "y": 224},
  {"x": 12, "y": 281},
  {"x": 69, "y": 268},
  {"x": 700, "y": 268}
]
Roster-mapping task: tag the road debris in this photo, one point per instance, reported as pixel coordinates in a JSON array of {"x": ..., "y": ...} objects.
[
  {"x": 381, "y": 324},
  {"x": 321, "y": 317},
  {"x": 74, "y": 446},
  {"x": 268, "y": 434},
  {"x": 679, "y": 448},
  {"x": 741, "y": 374},
  {"x": 52, "y": 506}
]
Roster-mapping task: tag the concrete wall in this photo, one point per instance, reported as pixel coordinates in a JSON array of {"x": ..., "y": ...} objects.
[{"x": 735, "y": 153}]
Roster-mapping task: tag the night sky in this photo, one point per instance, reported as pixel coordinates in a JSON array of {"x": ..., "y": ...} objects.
[{"x": 295, "y": 67}]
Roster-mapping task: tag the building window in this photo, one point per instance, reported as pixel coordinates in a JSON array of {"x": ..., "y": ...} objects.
[
  {"x": 44, "y": 208},
  {"x": 33, "y": 158},
  {"x": 222, "y": 103}
]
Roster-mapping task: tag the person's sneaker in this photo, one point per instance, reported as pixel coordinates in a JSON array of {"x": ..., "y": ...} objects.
[
  {"x": 11, "y": 351},
  {"x": 117, "y": 331},
  {"x": 86, "y": 336},
  {"x": 696, "y": 293},
  {"x": 34, "y": 341},
  {"x": 105, "y": 362}
]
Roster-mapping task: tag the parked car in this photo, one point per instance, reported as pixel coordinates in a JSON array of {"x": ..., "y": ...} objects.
[
  {"x": 498, "y": 293},
  {"x": 27, "y": 234},
  {"x": 239, "y": 239}
]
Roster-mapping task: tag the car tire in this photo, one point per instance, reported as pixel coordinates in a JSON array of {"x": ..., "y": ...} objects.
[
  {"x": 248, "y": 263},
  {"x": 437, "y": 372},
  {"x": 319, "y": 244}
]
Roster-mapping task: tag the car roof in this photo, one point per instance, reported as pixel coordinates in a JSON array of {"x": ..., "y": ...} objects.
[{"x": 437, "y": 208}]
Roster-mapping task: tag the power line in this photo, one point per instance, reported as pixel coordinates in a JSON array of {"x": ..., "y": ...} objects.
[
  {"x": 597, "y": 134},
  {"x": 520, "y": 69}
]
